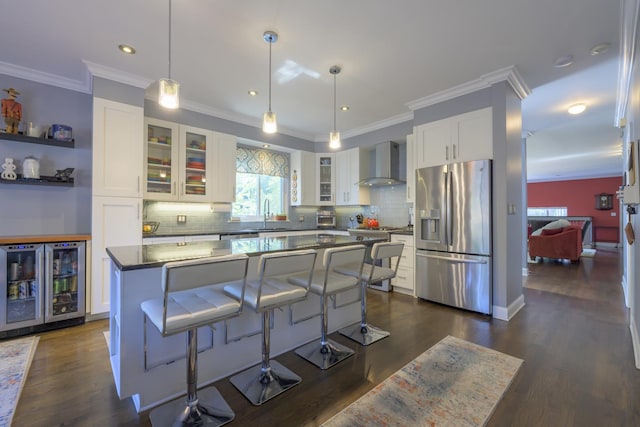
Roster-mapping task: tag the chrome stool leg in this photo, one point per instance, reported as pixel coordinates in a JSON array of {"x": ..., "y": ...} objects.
[
  {"x": 362, "y": 332},
  {"x": 207, "y": 408},
  {"x": 329, "y": 352},
  {"x": 267, "y": 380}
]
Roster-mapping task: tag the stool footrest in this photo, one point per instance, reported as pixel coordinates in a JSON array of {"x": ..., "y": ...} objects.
[
  {"x": 334, "y": 353},
  {"x": 258, "y": 388},
  {"x": 211, "y": 410},
  {"x": 369, "y": 335}
]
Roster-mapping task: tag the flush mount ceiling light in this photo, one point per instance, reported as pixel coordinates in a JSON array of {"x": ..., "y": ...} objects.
[
  {"x": 125, "y": 48},
  {"x": 577, "y": 108},
  {"x": 334, "y": 136},
  {"x": 599, "y": 48},
  {"x": 253, "y": 92},
  {"x": 563, "y": 61},
  {"x": 344, "y": 108},
  {"x": 169, "y": 94},
  {"x": 269, "y": 124}
]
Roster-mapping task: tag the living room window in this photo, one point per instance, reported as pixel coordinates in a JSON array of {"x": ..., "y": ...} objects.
[
  {"x": 260, "y": 175},
  {"x": 561, "y": 211}
]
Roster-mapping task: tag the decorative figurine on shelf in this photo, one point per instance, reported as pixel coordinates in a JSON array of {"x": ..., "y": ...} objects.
[
  {"x": 9, "y": 171},
  {"x": 11, "y": 110},
  {"x": 64, "y": 174}
]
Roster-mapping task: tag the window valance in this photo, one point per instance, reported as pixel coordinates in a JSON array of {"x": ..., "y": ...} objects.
[{"x": 261, "y": 161}]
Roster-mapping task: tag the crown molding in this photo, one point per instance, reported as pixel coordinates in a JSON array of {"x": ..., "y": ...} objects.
[
  {"x": 113, "y": 74},
  {"x": 18, "y": 71},
  {"x": 400, "y": 118},
  {"x": 629, "y": 28},
  {"x": 509, "y": 74}
]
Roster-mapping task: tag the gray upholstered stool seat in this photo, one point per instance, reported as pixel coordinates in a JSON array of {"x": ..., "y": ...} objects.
[
  {"x": 272, "y": 290},
  {"x": 326, "y": 282},
  {"x": 193, "y": 296},
  {"x": 381, "y": 254}
]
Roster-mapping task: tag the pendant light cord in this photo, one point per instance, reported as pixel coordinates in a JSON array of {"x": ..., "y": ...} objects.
[
  {"x": 334, "y": 102},
  {"x": 169, "y": 39},
  {"x": 270, "y": 43}
]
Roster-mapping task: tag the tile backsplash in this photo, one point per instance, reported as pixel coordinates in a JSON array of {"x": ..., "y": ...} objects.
[{"x": 388, "y": 205}]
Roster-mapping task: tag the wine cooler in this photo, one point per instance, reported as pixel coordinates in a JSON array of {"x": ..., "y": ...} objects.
[{"x": 42, "y": 287}]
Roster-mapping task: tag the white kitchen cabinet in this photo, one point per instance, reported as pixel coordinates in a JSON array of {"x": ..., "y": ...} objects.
[
  {"x": 224, "y": 175},
  {"x": 459, "y": 138},
  {"x": 179, "y": 162},
  {"x": 117, "y": 221},
  {"x": 411, "y": 170},
  {"x": 117, "y": 151},
  {"x": 303, "y": 178},
  {"x": 351, "y": 166},
  {"x": 325, "y": 179},
  {"x": 404, "y": 280}
]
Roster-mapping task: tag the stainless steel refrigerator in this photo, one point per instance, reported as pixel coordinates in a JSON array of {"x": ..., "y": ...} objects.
[{"x": 453, "y": 235}]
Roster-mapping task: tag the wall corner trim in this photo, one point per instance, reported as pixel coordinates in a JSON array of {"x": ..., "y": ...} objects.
[
  {"x": 507, "y": 313},
  {"x": 629, "y": 27}
]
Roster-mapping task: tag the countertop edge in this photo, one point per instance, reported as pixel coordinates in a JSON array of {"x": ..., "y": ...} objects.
[{"x": 44, "y": 238}]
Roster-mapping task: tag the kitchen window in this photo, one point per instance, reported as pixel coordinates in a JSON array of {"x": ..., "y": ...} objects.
[
  {"x": 261, "y": 176},
  {"x": 560, "y": 211}
]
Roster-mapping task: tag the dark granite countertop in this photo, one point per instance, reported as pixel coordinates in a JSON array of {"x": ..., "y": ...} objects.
[
  {"x": 241, "y": 231},
  {"x": 151, "y": 256}
]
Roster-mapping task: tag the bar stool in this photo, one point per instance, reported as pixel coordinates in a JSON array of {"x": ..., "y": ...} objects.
[
  {"x": 326, "y": 282},
  {"x": 194, "y": 297},
  {"x": 373, "y": 272},
  {"x": 272, "y": 290}
]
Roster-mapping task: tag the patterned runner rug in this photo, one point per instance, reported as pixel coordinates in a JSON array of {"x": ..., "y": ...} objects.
[
  {"x": 15, "y": 360},
  {"x": 454, "y": 383}
]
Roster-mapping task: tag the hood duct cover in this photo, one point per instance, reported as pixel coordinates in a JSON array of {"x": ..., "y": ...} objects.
[{"x": 387, "y": 166}]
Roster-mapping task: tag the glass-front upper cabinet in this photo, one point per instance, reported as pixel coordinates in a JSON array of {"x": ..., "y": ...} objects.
[
  {"x": 179, "y": 162},
  {"x": 161, "y": 158},
  {"x": 326, "y": 179}
]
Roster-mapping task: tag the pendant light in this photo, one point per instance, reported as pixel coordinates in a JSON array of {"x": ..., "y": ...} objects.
[
  {"x": 334, "y": 136},
  {"x": 269, "y": 124},
  {"x": 169, "y": 95}
]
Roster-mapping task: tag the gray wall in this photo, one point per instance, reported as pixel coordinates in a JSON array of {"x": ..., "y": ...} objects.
[{"x": 31, "y": 210}]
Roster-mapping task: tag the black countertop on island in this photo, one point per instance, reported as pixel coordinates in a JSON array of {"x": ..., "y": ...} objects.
[{"x": 151, "y": 256}]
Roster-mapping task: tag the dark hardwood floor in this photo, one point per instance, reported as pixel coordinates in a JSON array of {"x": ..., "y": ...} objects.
[{"x": 573, "y": 335}]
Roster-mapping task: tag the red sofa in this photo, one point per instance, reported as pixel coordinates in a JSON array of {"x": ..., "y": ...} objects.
[{"x": 565, "y": 243}]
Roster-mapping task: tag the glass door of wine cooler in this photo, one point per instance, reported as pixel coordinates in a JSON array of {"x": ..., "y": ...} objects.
[
  {"x": 22, "y": 285},
  {"x": 65, "y": 271}
]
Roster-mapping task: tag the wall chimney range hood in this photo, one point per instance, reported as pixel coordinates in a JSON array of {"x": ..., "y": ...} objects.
[{"x": 387, "y": 166}]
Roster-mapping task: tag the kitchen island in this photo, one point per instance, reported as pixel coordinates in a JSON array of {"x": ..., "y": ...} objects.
[{"x": 151, "y": 369}]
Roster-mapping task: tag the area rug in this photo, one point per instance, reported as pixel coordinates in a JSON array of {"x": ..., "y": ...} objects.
[
  {"x": 454, "y": 383},
  {"x": 15, "y": 360}
]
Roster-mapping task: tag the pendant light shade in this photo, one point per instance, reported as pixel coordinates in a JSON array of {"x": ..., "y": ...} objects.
[
  {"x": 269, "y": 123},
  {"x": 169, "y": 90},
  {"x": 334, "y": 136}
]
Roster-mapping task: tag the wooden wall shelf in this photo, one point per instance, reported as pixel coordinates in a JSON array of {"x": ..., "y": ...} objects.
[
  {"x": 44, "y": 180},
  {"x": 35, "y": 140}
]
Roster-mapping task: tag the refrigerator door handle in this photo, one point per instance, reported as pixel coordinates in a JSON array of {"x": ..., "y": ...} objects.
[
  {"x": 449, "y": 259},
  {"x": 46, "y": 288},
  {"x": 449, "y": 208}
]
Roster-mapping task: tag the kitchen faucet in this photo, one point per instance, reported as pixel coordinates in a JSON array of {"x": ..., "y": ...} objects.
[{"x": 265, "y": 210}]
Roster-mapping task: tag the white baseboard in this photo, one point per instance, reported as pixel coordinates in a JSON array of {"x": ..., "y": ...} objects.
[
  {"x": 525, "y": 271},
  {"x": 506, "y": 314},
  {"x": 606, "y": 245},
  {"x": 624, "y": 291},
  {"x": 636, "y": 343}
]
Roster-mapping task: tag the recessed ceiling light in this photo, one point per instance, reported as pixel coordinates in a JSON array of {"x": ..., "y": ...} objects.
[
  {"x": 344, "y": 108},
  {"x": 253, "y": 92},
  {"x": 563, "y": 61},
  {"x": 577, "y": 108},
  {"x": 599, "y": 48},
  {"x": 125, "y": 48},
  {"x": 265, "y": 145}
]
